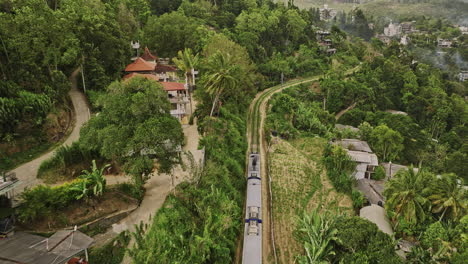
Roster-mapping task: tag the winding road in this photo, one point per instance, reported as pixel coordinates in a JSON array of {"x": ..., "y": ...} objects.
[{"x": 27, "y": 173}]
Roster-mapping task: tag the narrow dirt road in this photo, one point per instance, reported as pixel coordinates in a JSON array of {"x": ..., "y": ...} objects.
[
  {"x": 342, "y": 112},
  {"x": 27, "y": 173}
]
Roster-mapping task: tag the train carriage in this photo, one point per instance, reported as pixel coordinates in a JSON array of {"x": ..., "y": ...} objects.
[{"x": 252, "y": 249}]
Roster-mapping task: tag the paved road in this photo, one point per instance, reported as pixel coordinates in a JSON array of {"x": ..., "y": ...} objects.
[{"x": 27, "y": 173}]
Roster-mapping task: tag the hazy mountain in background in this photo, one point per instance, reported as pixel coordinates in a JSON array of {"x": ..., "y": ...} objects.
[{"x": 455, "y": 10}]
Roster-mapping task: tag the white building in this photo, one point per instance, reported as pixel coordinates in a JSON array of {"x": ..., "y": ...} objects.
[
  {"x": 327, "y": 13},
  {"x": 444, "y": 43},
  {"x": 392, "y": 30},
  {"x": 463, "y": 76}
]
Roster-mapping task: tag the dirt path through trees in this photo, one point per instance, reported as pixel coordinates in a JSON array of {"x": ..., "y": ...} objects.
[{"x": 27, "y": 173}]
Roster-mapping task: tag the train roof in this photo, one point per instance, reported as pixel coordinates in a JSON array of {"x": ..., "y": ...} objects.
[
  {"x": 254, "y": 193},
  {"x": 252, "y": 252}
]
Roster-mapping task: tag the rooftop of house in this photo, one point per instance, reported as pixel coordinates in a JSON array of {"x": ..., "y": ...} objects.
[
  {"x": 161, "y": 68},
  {"x": 372, "y": 190},
  {"x": 391, "y": 169},
  {"x": 140, "y": 65},
  {"x": 396, "y": 112},
  {"x": 148, "y": 56},
  {"x": 364, "y": 157},
  {"x": 354, "y": 144},
  {"x": 57, "y": 249},
  {"x": 377, "y": 215},
  {"x": 167, "y": 86},
  {"x": 8, "y": 183}
]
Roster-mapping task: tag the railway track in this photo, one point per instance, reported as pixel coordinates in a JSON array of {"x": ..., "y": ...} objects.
[{"x": 256, "y": 144}]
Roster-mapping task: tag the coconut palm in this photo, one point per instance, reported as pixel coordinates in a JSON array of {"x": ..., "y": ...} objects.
[
  {"x": 405, "y": 195},
  {"x": 96, "y": 178},
  {"x": 317, "y": 234},
  {"x": 187, "y": 62},
  {"x": 221, "y": 76},
  {"x": 448, "y": 197}
]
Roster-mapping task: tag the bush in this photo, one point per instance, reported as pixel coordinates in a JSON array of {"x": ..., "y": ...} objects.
[
  {"x": 339, "y": 167},
  {"x": 42, "y": 201},
  {"x": 379, "y": 173},
  {"x": 112, "y": 252},
  {"x": 360, "y": 241},
  {"x": 66, "y": 156},
  {"x": 358, "y": 199},
  {"x": 433, "y": 236}
]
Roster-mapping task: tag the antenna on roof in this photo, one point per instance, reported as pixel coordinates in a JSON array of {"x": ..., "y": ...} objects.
[{"x": 136, "y": 46}]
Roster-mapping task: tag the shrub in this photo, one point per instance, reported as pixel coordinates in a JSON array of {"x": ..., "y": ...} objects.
[
  {"x": 65, "y": 156},
  {"x": 433, "y": 236},
  {"x": 358, "y": 199},
  {"x": 379, "y": 173},
  {"x": 360, "y": 240},
  {"x": 339, "y": 167},
  {"x": 42, "y": 200},
  {"x": 112, "y": 252}
]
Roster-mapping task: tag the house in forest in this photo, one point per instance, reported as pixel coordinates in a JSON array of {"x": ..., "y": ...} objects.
[
  {"x": 151, "y": 64},
  {"x": 444, "y": 43},
  {"x": 177, "y": 94},
  {"x": 327, "y": 13},
  {"x": 463, "y": 76},
  {"x": 361, "y": 153},
  {"x": 152, "y": 67},
  {"x": 392, "y": 30}
]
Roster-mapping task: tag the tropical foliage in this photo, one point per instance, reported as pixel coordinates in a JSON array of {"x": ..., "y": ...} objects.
[
  {"x": 317, "y": 233},
  {"x": 134, "y": 127}
]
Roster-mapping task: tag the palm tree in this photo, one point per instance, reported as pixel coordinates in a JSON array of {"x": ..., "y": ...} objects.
[
  {"x": 448, "y": 197},
  {"x": 81, "y": 188},
  {"x": 96, "y": 177},
  {"x": 405, "y": 195},
  {"x": 221, "y": 76},
  {"x": 317, "y": 233},
  {"x": 187, "y": 62}
]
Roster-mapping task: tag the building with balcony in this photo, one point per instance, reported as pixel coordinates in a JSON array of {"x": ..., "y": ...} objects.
[{"x": 177, "y": 94}]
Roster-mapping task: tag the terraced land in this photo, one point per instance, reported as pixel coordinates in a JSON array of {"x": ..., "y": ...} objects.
[{"x": 299, "y": 183}]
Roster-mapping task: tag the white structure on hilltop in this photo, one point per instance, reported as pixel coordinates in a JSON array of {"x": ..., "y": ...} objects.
[
  {"x": 444, "y": 43},
  {"x": 392, "y": 30},
  {"x": 463, "y": 76},
  {"x": 404, "y": 40},
  {"x": 327, "y": 13}
]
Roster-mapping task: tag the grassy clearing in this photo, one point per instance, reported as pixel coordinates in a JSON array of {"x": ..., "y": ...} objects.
[{"x": 299, "y": 183}]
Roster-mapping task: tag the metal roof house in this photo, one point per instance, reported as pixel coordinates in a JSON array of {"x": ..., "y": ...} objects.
[
  {"x": 32, "y": 249},
  {"x": 361, "y": 153},
  {"x": 377, "y": 215}
]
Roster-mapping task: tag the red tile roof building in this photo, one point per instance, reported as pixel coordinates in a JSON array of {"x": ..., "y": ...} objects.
[
  {"x": 147, "y": 56},
  {"x": 140, "y": 65}
]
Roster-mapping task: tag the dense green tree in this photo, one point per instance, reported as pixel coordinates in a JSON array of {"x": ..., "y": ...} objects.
[
  {"x": 449, "y": 197},
  {"x": 134, "y": 124},
  {"x": 222, "y": 75},
  {"x": 406, "y": 195},
  {"x": 386, "y": 142},
  {"x": 360, "y": 241}
]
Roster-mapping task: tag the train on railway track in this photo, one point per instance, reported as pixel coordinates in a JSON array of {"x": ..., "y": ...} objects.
[{"x": 252, "y": 249}]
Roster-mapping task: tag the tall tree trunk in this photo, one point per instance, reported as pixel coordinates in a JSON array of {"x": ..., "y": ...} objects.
[{"x": 214, "y": 104}]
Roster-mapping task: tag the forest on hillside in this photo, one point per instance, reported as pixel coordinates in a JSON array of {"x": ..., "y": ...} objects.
[{"x": 239, "y": 47}]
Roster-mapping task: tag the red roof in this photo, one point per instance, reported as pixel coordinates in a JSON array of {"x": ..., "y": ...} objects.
[
  {"x": 140, "y": 65},
  {"x": 164, "y": 68},
  {"x": 173, "y": 86},
  {"x": 167, "y": 86},
  {"x": 148, "y": 56}
]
